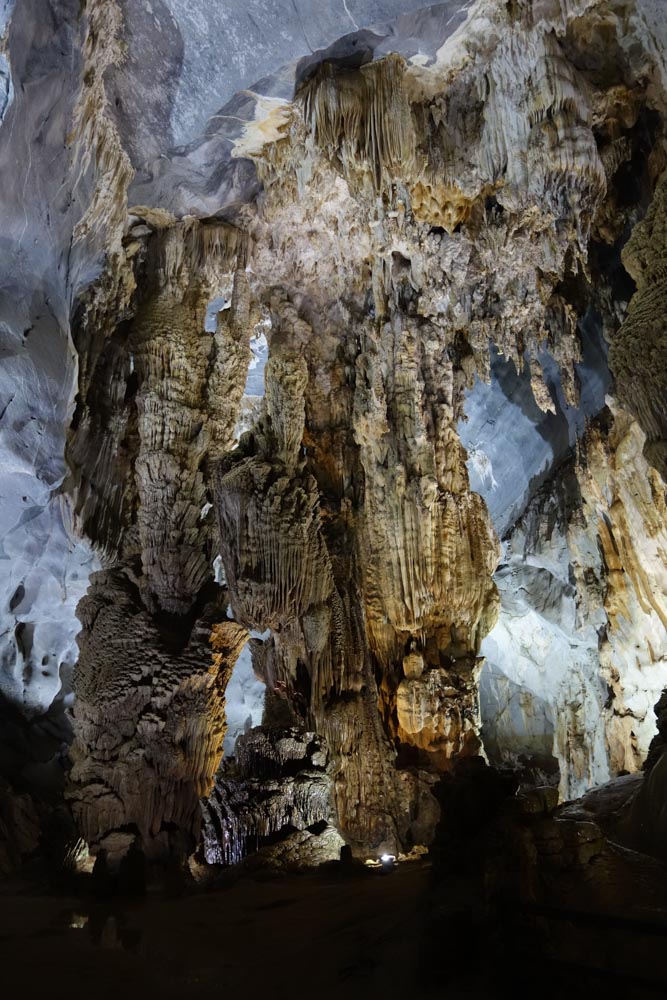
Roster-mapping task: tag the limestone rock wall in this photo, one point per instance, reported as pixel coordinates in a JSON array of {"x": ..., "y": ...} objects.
[
  {"x": 542, "y": 686},
  {"x": 45, "y": 566},
  {"x": 580, "y": 644},
  {"x": 639, "y": 351},
  {"x": 453, "y": 188},
  {"x": 628, "y": 500}
]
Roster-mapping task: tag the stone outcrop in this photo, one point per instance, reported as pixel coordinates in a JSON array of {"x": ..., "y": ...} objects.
[
  {"x": 278, "y": 783},
  {"x": 516, "y": 876}
]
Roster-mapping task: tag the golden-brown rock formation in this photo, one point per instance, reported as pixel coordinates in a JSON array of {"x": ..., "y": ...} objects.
[
  {"x": 626, "y": 513},
  {"x": 411, "y": 215}
]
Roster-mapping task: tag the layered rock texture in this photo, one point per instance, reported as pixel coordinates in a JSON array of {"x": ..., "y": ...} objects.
[
  {"x": 277, "y": 783},
  {"x": 366, "y": 372}
]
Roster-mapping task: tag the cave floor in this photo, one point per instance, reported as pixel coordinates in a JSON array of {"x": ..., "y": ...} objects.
[
  {"x": 320, "y": 936},
  {"x": 275, "y": 937}
]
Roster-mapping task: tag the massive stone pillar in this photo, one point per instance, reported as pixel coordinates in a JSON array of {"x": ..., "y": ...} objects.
[
  {"x": 148, "y": 720},
  {"x": 426, "y": 541},
  {"x": 348, "y": 529},
  {"x": 158, "y": 402}
]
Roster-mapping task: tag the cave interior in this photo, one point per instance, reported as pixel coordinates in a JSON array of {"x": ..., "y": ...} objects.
[{"x": 333, "y": 497}]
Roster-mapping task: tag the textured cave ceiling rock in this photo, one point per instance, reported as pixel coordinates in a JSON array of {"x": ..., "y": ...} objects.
[
  {"x": 192, "y": 57},
  {"x": 6, "y": 83},
  {"x": 189, "y": 148}
]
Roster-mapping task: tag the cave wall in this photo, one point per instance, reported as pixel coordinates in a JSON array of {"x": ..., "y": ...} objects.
[{"x": 579, "y": 647}]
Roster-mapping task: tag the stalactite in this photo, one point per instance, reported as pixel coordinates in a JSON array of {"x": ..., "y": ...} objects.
[{"x": 363, "y": 117}]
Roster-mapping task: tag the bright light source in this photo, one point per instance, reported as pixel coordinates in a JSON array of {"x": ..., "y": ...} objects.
[{"x": 386, "y": 858}]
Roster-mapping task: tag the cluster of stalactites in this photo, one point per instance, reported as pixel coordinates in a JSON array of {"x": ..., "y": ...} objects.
[
  {"x": 363, "y": 117},
  {"x": 525, "y": 126},
  {"x": 190, "y": 252},
  {"x": 275, "y": 557}
]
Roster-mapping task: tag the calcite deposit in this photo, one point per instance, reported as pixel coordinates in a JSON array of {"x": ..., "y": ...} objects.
[{"x": 349, "y": 347}]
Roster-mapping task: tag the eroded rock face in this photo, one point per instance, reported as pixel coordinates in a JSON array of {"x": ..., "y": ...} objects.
[
  {"x": 148, "y": 719},
  {"x": 278, "y": 782},
  {"x": 435, "y": 201},
  {"x": 579, "y": 646},
  {"x": 45, "y": 566},
  {"x": 639, "y": 351}
]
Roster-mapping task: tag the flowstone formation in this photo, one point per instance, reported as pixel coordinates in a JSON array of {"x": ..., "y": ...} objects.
[{"x": 441, "y": 488}]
